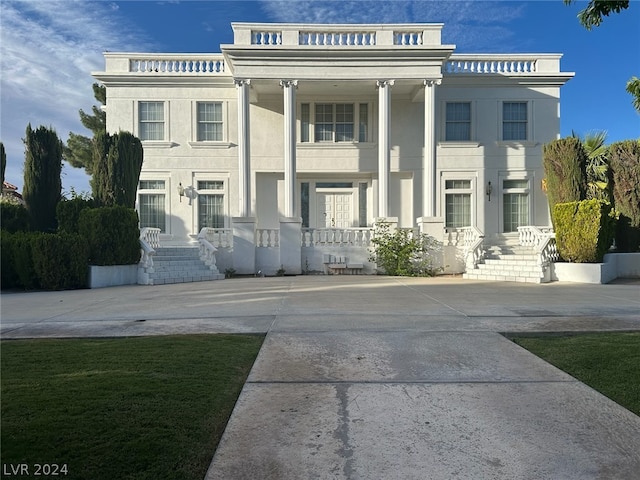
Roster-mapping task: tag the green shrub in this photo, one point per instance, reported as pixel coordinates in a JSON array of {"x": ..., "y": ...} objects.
[
  {"x": 564, "y": 163},
  {"x": 624, "y": 161},
  {"x": 112, "y": 234},
  {"x": 9, "y": 276},
  {"x": 14, "y": 217},
  {"x": 584, "y": 230},
  {"x": 68, "y": 213},
  {"x": 17, "y": 261},
  {"x": 402, "y": 252},
  {"x": 60, "y": 260}
]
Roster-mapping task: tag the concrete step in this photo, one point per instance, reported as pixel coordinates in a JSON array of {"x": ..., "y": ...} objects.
[{"x": 180, "y": 265}]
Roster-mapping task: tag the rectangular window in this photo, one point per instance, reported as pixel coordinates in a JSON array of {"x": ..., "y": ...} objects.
[
  {"x": 514, "y": 121},
  {"x": 458, "y": 122},
  {"x": 210, "y": 204},
  {"x": 336, "y": 122},
  {"x": 324, "y": 122},
  {"x": 344, "y": 122},
  {"x": 151, "y": 120},
  {"x": 515, "y": 204},
  {"x": 209, "y": 122},
  {"x": 151, "y": 205},
  {"x": 457, "y": 203},
  {"x": 305, "y": 122},
  {"x": 363, "y": 134}
]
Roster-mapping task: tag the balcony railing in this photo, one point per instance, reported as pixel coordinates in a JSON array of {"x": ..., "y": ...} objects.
[{"x": 502, "y": 64}]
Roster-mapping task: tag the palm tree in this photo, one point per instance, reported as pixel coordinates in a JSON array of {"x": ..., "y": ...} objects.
[{"x": 597, "y": 168}]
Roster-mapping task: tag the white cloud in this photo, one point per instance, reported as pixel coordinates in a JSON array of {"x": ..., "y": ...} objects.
[{"x": 47, "y": 52}]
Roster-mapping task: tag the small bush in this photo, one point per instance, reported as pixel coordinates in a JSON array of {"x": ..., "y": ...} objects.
[
  {"x": 17, "y": 262},
  {"x": 112, "y": 234},
  {"x": 13, "y": 217},
  {"x": 60, "y": 260},
  {"x": 584, "y": 230},
  {"x": 402, "y": 252},
  {"x": 68, "y": 213}
]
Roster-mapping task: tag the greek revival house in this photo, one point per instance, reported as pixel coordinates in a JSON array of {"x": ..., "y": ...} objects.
[{"x": 284, "y": 150}]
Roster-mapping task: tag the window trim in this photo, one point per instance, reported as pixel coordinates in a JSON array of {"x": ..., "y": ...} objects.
[
  {"x": 224, "y": 191},
  {"x": 166, "y": 178},
  {"x": 194, "y": 142},
  {"x": 165, "y": 142},
  {"x": 311, "y": 125},
  {"x": 528, "y": 142},
  {"x": 472, "y": 191},
  {"x": 529, "y": 190}
]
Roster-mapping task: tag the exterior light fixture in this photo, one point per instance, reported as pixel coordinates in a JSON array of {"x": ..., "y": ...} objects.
[
  {"x": 180, "y": 191},
  {"x": 489, "y": 190}
]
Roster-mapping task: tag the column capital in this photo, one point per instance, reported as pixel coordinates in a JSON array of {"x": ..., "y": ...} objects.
[
  {"x": 432, "y": 82},
  {"x": 288, "y": 83},
  {"x": 241, "y": 82},
  {"x": 385, "y": 83}
]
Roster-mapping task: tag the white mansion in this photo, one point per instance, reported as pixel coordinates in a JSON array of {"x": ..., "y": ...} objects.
[{"x": 289, "y": 145}]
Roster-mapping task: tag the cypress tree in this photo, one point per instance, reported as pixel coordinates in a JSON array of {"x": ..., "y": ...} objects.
[
  {"x": 42, "y": 184},
  {"x": 625, "y": 165},
  {"x": 117, "y": 164},
  {"x": 3, "y": 159},
  {"x": 565, "y": 163}
]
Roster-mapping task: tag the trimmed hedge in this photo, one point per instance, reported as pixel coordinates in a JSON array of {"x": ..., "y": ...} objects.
[
  {"x": 584, "y": 230},
  {"x": 52, "y": 261},
  {"x": 112, "y": 234},
  {"x": 624, "y": 161},
  {"x": 14, "y": 217},
  {"x": 60, "y": 260},
  {"x": 68, "y": 213}
]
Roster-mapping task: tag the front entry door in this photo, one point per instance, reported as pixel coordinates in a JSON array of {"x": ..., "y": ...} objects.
[{"x": 335, "y": 210}]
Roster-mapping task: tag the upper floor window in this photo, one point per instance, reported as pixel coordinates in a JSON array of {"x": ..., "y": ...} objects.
[
  {"x": 151, "y": 120},
  {"x": 514, "y": 121},
  {"x": 334, "y": 122},
  {"x": 209, "y": 122},
  {"x": 458, "y": 122}
]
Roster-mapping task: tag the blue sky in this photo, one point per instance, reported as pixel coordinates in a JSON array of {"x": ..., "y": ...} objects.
[{"x": 49, "y": 48}]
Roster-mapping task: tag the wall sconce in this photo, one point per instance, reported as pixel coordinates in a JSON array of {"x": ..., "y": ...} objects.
[
  {"x": 489, "y": 190},
  {"x": 180, "y": 191}
]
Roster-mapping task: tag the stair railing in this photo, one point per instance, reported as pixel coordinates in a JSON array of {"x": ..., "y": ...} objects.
[
  {"x": 543, "y": 241},
  {"x": 207, "y": 251},
  {"x": 473, "y": 247},
  {"x": 149, "y": 241}
]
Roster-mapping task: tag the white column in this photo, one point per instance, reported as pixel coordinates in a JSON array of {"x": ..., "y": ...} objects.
[
  {"x": 384, "y": 155},
  {"x": 289, "y": 90},
  {"x": 244, "y": 158},
  {"x": 429, "y": 160}
]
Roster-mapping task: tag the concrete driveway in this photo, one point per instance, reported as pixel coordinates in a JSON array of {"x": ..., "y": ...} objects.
[{"x": 383, "y": 378}]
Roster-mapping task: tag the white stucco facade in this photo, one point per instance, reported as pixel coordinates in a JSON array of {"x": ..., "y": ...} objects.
[{"x": 338, "y": 125}]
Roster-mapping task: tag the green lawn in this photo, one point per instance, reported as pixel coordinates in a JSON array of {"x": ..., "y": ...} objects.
[
  {"x": 126, "y": 408},
  {"x": 608, "y": 362}
]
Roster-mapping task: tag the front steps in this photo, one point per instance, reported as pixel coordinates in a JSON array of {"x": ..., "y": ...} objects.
[
  {"x": 510, "y": 263},
  {"x": 180, "y": 265}
]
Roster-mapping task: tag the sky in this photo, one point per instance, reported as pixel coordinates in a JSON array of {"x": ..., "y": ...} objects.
[{"x": 48, "y": 49}]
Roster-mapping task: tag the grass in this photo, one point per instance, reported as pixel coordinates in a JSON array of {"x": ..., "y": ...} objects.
[
  {"x": 128, "y": 408},
  {"x": 608, "y": 362}
]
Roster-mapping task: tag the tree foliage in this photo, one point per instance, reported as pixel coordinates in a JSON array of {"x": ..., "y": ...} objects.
[
  {"x": 564, "y": 163},
  {"x": 592, "y": 16},
  {"x": 633, "y": 88},
  {"x": 79, "y": 151},
  {"x": 624, "y": 158},
  {"x": 117, "y": 164},
  {"x": 597, "y": 166},
  {"x": 3, "y": 160},
  {"x": 42, "y": 184}
]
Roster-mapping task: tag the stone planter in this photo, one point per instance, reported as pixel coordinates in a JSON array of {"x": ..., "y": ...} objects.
[
  {"x": 112, "y": 275},
  {"x": 615, "y": 265}
]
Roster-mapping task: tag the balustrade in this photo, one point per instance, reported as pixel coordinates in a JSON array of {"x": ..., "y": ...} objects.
[
  {"x": 357, "y": 237},
  {"x": 504, "y": 65},
  {"x": 218, "y": 237},
  {"x": 266, "y": 38},
  {"x": 543, "y": 241},
  {"x": 407, "y": 38},
  {"x": 267, "y": 237},
  {"x": 178, "y": 65},
  {"x": 329, "y": 38}
]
